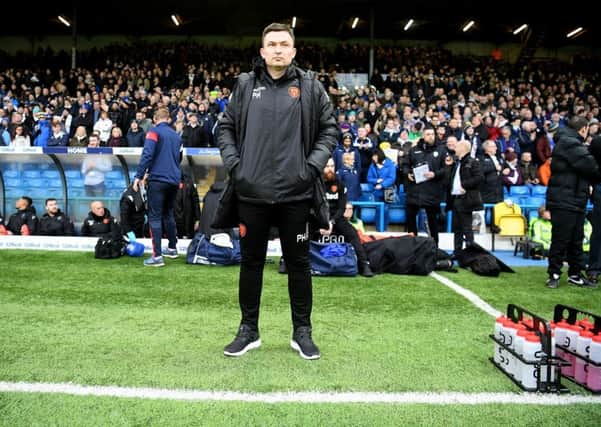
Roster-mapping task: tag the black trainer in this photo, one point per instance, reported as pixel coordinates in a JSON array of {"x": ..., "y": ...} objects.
[
  {"x": 246, "y": 339},
  {"x": 553, "y": 281},
  {"x": 303, "y": 343},
  {"x": 365, "y": 270},
  {"x": 580, "y": 280}
]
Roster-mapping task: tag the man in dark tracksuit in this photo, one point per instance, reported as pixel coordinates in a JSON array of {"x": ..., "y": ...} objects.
[
  {"x": 187, "y": 208},
  {"x": 464, "y": 195},
  {"x": 24, "y": 222},
  {"x": 427, "y": 194},
  {"x": 99, "y": 222},
  {"x": 133, "y": 211},
  {"x": 54, "y": 222},
  {"x": 573, "y": 168},
  {"x": 161, "y": 158},
  {"x": 339, "y": 225},
  {"x": 275, "y": 137}
]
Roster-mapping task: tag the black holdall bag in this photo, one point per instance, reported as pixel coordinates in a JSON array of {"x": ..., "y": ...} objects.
[
  {"x": 111, "y": 245},
  {"x": 108, "y": 247}
]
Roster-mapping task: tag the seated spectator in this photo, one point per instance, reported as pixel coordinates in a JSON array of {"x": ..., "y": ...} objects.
[
  {"x": 540, "y": 229},
  {"x": 99, "y": 221},
  {"x": 187, "y": 208},
  {"x": 80, "y": 139},
  {"x": 350, "y": 177},
  {"x": 381, "y": 174},
  {"x": 54, "y": 222},
  {"x": 135, "y": 135},
  {"x": 19, "y": 138},
  {"x": 3, "y": 231},
  {"x": 511, "y": 171},
  {"x": 24, "y": 222},
  {"x": 491, "y": 188},
  {"x": 133, "y": 210},
  {"x": 116, "y": 139},
  {"x": 347, "y": 147},
  {"x": 528, "y": 170},
  {"x": 58, "y": 137}
]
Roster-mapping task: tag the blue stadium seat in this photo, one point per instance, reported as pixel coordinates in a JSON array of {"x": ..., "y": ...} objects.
[
  {"x": 539, "y": 191},
  {"x": 70, "y": 174},
  {"x": 402, "y": 199},
  {"x": 76, "y": 193},
  {"x": 10, "y": 174},
  {"x": 55, "y": 183},
  {"x": 12, "y": 183},
  {"x": 34, "y": 183},
  {"x": 116, "y": 175},
  {"x": 396, "y": 214},
  {"x": 505, "y": 192},
  {"x": 367, "y": 197},
  {"x": 31, "y": 174},
  {"x": 536, "y": 201},
  {"x": 366, "y": 187},
  {"x": 51, "y": 174},
  {"x": 519, "y": 190},
  {"x": 13, "y": 193},
  {"x": 75, "y": 183},
  {"x": 367, "y": 215}
]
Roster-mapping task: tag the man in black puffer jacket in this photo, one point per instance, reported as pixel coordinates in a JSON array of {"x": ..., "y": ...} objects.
[
  {"x": 99, "y": 222},
  {"x": 573, "y": 170},
  {"x": 275, "y": 137}
]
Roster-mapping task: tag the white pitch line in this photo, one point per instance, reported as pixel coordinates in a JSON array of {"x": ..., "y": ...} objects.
[
  {"x": 443, "y": 398},
  {"x": 469, "y": 295}
]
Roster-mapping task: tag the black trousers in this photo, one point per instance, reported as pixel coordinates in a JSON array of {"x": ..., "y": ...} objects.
[
  {"x": 291, "y": 219},
  {"x": 431, "y": 212},
  {"x": 344, "y": 228},
  {"x": 566, "y": 241},
  {"x": 462, "y": 229}
]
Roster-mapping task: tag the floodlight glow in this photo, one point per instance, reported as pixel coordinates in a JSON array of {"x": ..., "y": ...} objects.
[
  {"x": 520, "y": 29},
  {"x": 64, "y": 21},
  {"x": 175, "y": 20},
  {"x": 574, "y": 32},
  {"x": 294, "y": 22},
  {"x": 468, "y": 26},
  {"x": 355, "y": 22},
  {"x": 408, "y": 25}
]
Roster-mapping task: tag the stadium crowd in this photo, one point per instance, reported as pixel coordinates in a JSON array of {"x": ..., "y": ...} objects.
[{"x": 417, "y": 105}]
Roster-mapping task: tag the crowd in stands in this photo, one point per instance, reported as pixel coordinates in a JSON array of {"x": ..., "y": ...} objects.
[{"x": 509, "y": 114}]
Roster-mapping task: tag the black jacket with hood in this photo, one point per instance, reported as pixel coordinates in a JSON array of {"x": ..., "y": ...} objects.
[{"x": 573, "y": 169}]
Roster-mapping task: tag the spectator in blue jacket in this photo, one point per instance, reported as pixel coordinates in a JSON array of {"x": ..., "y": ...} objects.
[
  {"x": 381, "y": 174},
  {"x": 58, "y": 137}
]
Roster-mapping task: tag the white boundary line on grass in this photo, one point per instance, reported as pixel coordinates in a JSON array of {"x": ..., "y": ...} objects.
[
  {"x": 469, "y": 295},
  {"x": 443, "y": 398}
]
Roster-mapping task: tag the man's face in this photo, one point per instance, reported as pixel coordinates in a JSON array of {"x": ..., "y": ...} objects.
[
  {"x": 526, "y": 157},
  {"x": 328, "y": 171},
  {"x": 278, "y": 49},
  {"x": 97, "y": 208},
  {"x": 93, "y": 142},
  {"x": 491, "y": 149},
  {"x": 21, "y": 204},
  {"x": 52, "y": 207},
  {"x": 429, "y": 136},
  {"x": 451, "y": 143}
]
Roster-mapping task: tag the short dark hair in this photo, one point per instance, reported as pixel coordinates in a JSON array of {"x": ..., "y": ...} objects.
[
  {"x": 51, "y": 199},
  {"x": 577, "y": 123},
  {"x": 28, "y": 200},
  {"x": 276, "y": 26}
]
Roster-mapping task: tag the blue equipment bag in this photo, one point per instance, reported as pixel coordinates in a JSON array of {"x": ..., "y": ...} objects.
[
  {"x": 202, "y": 251},
  {"x": 333, "y": 259}
]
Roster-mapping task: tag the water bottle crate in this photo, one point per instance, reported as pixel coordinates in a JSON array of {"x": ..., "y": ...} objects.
[
  {"x": 537, "y": 369},
  {"x": 586, "y": 371}
]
